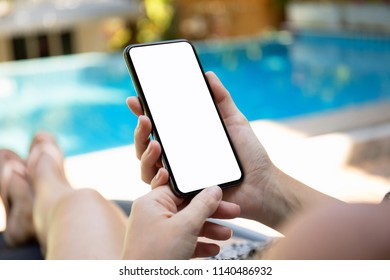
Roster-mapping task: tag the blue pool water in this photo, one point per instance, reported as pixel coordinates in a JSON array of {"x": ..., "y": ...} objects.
[{"x": 81, "y": 98}]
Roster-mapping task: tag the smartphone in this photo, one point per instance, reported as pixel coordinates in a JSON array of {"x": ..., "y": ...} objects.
[{"x": 175, "y": 95}]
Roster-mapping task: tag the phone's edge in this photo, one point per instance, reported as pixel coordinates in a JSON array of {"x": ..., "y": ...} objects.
[{"x": 172, "y": 181}]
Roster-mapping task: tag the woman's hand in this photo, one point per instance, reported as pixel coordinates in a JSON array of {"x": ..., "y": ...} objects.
[
  {"x": 256, "y": 164},
  {"x": 266, "y": 194},
  {"x": 158, "y": 230}
]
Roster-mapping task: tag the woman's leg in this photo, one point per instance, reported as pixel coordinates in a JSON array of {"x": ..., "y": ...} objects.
[
  {"x": 17, "y": 197},
  {"x": 82, "y": 225},
  {"x": 69, "y": 223}
]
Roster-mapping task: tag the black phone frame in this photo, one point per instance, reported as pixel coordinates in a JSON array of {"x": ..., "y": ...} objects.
[{"x": 155, "y": 135}]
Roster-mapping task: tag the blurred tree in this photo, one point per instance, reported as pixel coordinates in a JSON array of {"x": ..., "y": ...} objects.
[{"x": 157, "y": 24}]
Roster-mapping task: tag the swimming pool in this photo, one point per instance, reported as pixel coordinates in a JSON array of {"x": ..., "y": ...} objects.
[{"x": 81, "y": 98}]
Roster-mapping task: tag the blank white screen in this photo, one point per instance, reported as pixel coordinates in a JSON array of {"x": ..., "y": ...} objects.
[{"x": 191, "y": 133}]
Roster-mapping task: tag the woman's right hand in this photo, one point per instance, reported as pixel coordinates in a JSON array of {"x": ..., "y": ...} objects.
[
  {"x": 258, "y": 168},
  {"x": 266, "y": 194}
]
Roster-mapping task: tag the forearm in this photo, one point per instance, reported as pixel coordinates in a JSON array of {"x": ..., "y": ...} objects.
[
  {"x": 285, "y": 196},
  {"x": 355, "y": 231}
]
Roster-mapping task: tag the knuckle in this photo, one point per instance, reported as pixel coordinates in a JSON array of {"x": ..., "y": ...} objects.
[{"x": 206, "y": 202}]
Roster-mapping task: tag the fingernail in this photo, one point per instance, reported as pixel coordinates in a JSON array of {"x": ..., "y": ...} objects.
[{"x": 215, "y": 191}]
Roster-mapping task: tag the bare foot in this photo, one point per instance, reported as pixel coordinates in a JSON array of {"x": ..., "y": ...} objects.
[
  {"x": 46, "y": 161},
  {"x": 46, "y": 171},
  {"x": 17, "y": 196}
]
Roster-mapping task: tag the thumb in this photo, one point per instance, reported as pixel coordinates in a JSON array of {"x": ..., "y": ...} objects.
[{"x": 201, "y": 207}]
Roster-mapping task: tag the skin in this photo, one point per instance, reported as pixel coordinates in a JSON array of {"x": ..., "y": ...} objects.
[
  {"x": 316, "y": 226},
  {"x": 179, "y": 229},
  {"x": 43, "y": 205},
  {"x": 266, "y": 195},
  {"x": 81, "y": 224},
  {"x": 337, "y": 231}
]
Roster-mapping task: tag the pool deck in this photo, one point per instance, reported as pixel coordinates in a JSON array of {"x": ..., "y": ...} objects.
[{"x": 344, "y": 153}]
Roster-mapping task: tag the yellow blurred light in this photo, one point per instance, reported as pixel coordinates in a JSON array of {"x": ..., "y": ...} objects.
[{"x": 343, "y": 73}]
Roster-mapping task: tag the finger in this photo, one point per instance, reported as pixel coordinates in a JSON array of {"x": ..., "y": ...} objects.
[
  {"x": 135, "y": 105},
  {"x": 222, "y": 96},
  {"x": 215, "y": 231},
  {"x": 161, "y": 178},
  {"x": 142, "y": 135},
  {"x": 204, "y": 250},
  {"x": 165, "y": 197},
  {"x": 227, "y": 210},
  {"x": 149, "y": 159},
  {"x": 201, "y": 207}
]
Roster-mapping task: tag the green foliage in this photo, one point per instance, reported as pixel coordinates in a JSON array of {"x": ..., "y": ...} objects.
[{"x": 157, "y": 22}]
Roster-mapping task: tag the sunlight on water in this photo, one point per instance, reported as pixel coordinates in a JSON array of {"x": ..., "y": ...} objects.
[
  {"x": 7, "y": 87},
  {"x": 81, "y": 98}
]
